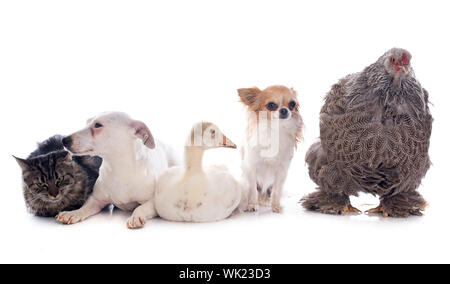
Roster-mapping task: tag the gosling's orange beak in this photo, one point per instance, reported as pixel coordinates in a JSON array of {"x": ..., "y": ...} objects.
[{"x": 227, "y": 143}]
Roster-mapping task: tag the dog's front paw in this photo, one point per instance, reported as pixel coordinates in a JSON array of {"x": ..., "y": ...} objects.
[
  {"x": 70, "y": 217},
  {"x": 252, "y": 207},
  {"x": 135, "y": 222},
  {"x": 276, "y": 208}
]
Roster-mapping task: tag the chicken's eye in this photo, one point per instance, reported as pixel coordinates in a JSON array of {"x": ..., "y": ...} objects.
[
  {"x": 392, "y": 59},
  {"x": 272, "y": 106}
]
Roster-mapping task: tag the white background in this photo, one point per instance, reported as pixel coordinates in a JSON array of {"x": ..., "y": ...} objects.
[{"x": 172, "y": 63}]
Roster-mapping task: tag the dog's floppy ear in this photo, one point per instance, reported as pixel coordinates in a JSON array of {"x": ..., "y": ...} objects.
[
  {"x": 142, "y": 132},
  {"x": 248, "y": 95}
]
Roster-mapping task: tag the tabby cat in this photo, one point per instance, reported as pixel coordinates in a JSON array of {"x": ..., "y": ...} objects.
[{"x": 55, "y": 181}]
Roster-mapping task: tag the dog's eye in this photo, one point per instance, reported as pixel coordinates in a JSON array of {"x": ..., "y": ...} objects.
[
  {"x": 212, "y": 131},
  {"x": 292, "y": 105},
  {"x": 98, "y": 125},
  {"x": 272, "y": 106}
]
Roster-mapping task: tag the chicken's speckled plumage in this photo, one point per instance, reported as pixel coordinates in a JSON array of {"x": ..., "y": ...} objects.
[{"x": 375, "y": 132}]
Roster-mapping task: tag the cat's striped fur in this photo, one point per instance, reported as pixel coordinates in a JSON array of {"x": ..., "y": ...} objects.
[{"x": 54, "y": 180}]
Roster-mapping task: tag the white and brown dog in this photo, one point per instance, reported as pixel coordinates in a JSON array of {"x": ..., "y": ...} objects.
[
  {"x": 273, "y": 131},
  {"x": 132, "y": 159}
]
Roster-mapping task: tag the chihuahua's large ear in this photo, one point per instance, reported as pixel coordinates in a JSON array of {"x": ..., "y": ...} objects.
[
  {"x": 142, "y": 132},
  {"x": 294, "y": 91},
  {"x": 22, "y": 163},
  {"x": 248, "y": 95}
]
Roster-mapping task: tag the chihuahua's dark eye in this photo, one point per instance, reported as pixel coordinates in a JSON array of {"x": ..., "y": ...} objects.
[
  {"x": 98, "y": 125},
  {"x": 212, "y": 131},
  {"x": 272, "y": 106},
  {"x": 292, "y": 105}
]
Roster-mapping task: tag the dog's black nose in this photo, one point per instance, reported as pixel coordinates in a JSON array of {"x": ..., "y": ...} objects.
[
  {"x": 67, "y": 141},
  {"x": 284, "y": 113}
]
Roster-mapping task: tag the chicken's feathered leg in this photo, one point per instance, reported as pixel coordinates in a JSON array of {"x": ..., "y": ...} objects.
[
  {"x": 328, "y": 203},
  {"x": 400, "y": 205},
  {"x": 332, "y": 196}
]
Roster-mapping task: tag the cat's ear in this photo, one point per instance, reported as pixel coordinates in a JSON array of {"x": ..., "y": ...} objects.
[
  {"x": 142, "y": 132},
  {"x": 92, "y": 162},
  {"x": 22, "y": 163},
  {"x": 68, "y": 156},
  {"x": 64, "y": 156}
]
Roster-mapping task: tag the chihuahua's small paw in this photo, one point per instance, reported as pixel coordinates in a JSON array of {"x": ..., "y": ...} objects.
[
  {"x": 252, "y": 207},
  {"x": 70, "y": 217},
  {"x": 276, "y": 208},
  {"x": 135, "y": 222}
]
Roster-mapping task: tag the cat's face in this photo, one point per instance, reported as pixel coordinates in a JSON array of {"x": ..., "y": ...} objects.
[{"x": 50, "y": 178}]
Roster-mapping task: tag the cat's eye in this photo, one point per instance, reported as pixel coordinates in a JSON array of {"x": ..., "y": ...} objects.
[
  {"x": 272, "y": 106},
  {"x": 43, "y": 185},
  {"x": 59, "y": 181},
  {"x": 98, "y": 125}
]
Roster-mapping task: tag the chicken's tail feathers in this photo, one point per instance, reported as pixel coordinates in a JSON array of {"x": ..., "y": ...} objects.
[
  {"x": 315, "y": 158},
  {"x": 313, "y": 153}
]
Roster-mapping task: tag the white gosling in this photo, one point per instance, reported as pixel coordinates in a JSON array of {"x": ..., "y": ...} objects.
[{"x": 193, "y": 193}]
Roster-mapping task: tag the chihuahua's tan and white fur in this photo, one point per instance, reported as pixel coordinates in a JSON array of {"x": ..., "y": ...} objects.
[{"x": 274, "y": 128}]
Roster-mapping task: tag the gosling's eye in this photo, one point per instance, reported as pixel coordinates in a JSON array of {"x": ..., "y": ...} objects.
[
  {"x": 98, "y": 125},
  {"x": 272, "y": 106},
  {"x": 292, "y": 105}
]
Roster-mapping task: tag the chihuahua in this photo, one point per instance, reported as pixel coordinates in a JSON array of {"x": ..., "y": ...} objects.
[{"x": 274, "y": 128}]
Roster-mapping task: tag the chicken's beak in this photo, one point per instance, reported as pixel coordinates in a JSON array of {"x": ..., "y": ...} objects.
[
  {"x": 227, "y": 143},
  {"x": 405, "y": 70}
]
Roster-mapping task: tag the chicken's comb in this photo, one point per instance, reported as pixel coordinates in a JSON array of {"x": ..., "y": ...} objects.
[{"x": 404, "y": 58}]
